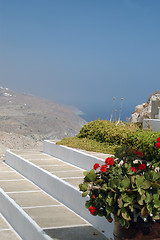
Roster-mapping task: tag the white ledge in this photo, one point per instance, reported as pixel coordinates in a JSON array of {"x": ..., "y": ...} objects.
[{"x": 19, "y": 219}]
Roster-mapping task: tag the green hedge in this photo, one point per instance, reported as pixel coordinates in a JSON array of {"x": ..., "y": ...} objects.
[
  {"x": 106, "y": 131},
  {"x": 145, "y": 141},
  {"x": 129, "y": 134}
]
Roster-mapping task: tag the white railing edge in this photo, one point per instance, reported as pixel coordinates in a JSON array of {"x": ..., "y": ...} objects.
[
  {"x": 19, "y": 220},
  {"x": 65, "y": 193}
]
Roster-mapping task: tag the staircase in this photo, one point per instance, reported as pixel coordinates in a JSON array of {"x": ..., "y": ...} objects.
[{"x": 40, "y": 199}]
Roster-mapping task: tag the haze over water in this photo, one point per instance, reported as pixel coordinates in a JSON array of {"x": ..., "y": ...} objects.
[{"x": 82, "y": 53}]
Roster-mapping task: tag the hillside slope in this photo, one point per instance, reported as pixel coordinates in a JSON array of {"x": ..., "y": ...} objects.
[{"x": 32, "y": 119}]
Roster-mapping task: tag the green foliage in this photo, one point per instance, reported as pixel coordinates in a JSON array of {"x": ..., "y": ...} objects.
[
  {"x": 88, "y": 145},
  {"x": 145, "y": 141},
  {"x": 104, "y": 136},
  {"x": 121, "y": 191},
  {"x": 106, "y": 131}
]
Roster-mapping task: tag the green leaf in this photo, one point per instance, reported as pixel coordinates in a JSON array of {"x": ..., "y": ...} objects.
[
  {"x": 155, "y": 175},
  {"x": 104, "y": 186},
  {"x": 84, "y": 194},
  {"x": 126, "y": 204},
  {"x": 146, "y": 184},
  {"x": 141, "y": 199},
  {"x": 83, "y": 187},
  {"x": 125, "y": 183},
  {"x": 111, "y": 201},
  {"x": 110, "y": 194},
  {"x": 155, "y": 185},
  {"x": 109, "y": 218},
  {"x": 144, "y": 211},
  {"x": 131, "y": 208},
  {"x": 116, "y": 182},
  {"x": 126, "y": 198},
  {"x": 156, "y": 196},
  {"x": 85, "y": 173},
  {"x": 125, "y": 214},
  {"x": 110, "y": 183},
  {"x": 139, "y": 181},
  {"x": 147, "y": 175},
  {"x": 109, "y": 209},
  {"x": 88, "y": 204},
  {"x": 141, "y": 191},
  {"x": 115, "y": 197},
  {"x": 133, "y": 179},
  {"x": 150, "y": 207},
  {"x": 156, "y": 217},
  {"x": 91, "y": 176},
  {"x": 126, "y": 165},
  {"x": 118, "y": 212},
  {"x": 101, "y": 196},
  {"x": 148, "y": 198},
  {"x": 156, "y": 203},
  {"x": 120, "y": 202}
]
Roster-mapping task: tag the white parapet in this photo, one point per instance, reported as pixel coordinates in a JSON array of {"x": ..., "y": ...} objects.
[
  {"x": 70, "y": 155},
  {"x": 59, "y": 189},
  {"x": 19, "y": 220},
  {"x": 153, "y": 124}
]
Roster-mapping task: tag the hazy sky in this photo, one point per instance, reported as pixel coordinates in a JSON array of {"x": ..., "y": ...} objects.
[{"x": 82, "y": 52}]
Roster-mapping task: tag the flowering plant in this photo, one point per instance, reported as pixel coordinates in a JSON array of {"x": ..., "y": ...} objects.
[{"x": 125, "y": 186}]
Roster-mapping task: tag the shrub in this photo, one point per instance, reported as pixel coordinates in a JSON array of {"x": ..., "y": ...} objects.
[
  {"x": 106, "y": 131},
  {"x": 105, "y": 136},
  {"x": 128, "y": 134},
  {"x": 145, "y": 141}
]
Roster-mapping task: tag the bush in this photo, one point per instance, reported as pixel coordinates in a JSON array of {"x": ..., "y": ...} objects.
[
  {"x": 105, "y": 136},
  {"x": 106, "y": 131},
  {"x": 145, "y": 142}
]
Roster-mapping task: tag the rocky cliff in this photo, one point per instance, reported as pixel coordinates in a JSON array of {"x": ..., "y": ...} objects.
[{"x": 146, "y": 110}]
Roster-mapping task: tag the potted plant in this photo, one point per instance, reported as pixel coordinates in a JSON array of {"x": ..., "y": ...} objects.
[{"x": 125, "y": 188}]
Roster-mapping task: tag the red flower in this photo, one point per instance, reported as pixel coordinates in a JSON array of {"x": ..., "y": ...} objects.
[
  {"x": 103, "y": 168},
  {"x": 158, "y": 139},
  {"x": 96, "y": 165},
  {"x": 158, "y": 145},
  {"x": 133, "y": 169},
  {"x": 109, "y": 161},
  {"x": 93, "y": 196},
  {"x": 139, "y": 154},
  {"x": 92, "y": 209},
  {"x": 142, "y": 166}
]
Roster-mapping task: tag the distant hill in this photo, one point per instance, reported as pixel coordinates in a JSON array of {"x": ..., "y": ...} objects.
[{"x": 33, "y": 118}]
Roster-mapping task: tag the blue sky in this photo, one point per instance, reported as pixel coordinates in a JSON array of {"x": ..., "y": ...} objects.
[{"x": 82, "y": 52}]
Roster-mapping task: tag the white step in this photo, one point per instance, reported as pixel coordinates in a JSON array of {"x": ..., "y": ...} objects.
[
  {"x": 36, "y": 215},
  {"x": 64, "y": 189}
]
